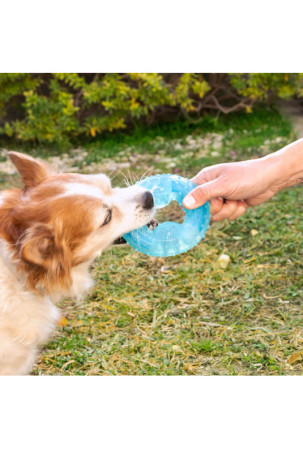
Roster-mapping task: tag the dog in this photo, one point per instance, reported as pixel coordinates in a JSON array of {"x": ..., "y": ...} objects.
[{"x": 50, "y": 233}]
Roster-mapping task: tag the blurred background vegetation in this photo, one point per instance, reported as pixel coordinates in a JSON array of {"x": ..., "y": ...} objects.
[{"x": 63, "y": 109}]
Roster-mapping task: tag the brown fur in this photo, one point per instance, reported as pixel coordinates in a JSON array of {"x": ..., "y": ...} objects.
[{"x": 44, "y": 251}]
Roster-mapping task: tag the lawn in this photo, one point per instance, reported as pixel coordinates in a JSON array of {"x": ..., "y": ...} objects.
[{"x": 186, "y": 315}]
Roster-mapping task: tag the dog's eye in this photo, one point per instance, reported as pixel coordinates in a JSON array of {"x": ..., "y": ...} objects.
[{"x": 108, "y": 218}]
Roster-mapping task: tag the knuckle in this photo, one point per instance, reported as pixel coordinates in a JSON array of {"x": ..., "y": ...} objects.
[
  {"x": 239, "y": 212},
  {"x": 223, "y": 214},
  {"x": 231, "y": 206}
]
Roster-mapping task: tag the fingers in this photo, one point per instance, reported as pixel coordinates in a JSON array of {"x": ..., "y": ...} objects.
[
  {"x": 216, "y": 205},
  {"x": 226, "y": 209},
  {"x": 239, "y": 211},
  {"x": 231, "y": 210},
  {"x": 202, "y": 193}
]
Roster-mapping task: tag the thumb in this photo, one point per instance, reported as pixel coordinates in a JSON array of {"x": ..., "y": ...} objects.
[{"x": 204, "y": 192}]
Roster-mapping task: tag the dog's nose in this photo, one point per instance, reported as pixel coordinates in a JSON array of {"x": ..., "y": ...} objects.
[{"x": 147, "y": 200}]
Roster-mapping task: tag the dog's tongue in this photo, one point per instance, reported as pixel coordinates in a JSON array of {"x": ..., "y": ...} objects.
[{"x": 151, "y": 225}]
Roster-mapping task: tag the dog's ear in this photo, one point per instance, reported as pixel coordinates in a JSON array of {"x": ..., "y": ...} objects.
[
  {"x": 46, "y": 257},
  {"x": 32, "y": 171}
]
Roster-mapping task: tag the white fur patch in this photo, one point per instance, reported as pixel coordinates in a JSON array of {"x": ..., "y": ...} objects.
[
  {"x": 26, "y": 319},
  {"x": 82, "y": 189}
]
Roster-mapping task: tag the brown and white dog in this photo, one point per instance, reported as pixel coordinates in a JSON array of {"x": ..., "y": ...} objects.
[{"x": 50, "y": 233}]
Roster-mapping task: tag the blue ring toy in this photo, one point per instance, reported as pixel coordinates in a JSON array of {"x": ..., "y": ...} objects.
[{"x": 170, "y": 238}]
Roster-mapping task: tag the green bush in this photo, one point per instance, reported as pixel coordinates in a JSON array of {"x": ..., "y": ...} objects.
[{"x": 57, "y": 109}]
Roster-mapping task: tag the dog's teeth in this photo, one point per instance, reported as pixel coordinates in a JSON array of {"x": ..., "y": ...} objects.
[{"x": 152, "y": 224}]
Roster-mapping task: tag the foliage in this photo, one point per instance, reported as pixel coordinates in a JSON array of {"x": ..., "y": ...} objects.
[
  {"x": 264, "y": 85},
  {"x": 57, "y": 109}
]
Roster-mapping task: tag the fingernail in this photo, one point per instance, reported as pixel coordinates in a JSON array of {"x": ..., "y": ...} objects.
[{"x": 189, "y": 201}]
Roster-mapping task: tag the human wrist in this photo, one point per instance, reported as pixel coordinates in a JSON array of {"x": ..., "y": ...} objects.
[{"x": 285, "y": 167}]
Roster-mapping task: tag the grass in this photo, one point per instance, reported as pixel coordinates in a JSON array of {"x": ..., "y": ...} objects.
[{"x": 185, "y": 315}]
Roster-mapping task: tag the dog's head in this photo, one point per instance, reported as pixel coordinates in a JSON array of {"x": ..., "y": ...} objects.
[{"x": 59, "y": 221}]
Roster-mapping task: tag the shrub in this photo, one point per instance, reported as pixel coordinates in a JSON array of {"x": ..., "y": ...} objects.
[{"x": 56, "y": 109}]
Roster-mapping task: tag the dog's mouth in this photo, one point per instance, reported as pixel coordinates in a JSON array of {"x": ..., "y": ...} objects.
[{"x": 151, "y": 225}]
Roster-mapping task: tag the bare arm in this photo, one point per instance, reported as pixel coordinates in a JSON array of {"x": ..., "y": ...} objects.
[{"x": 232, "y": 187}]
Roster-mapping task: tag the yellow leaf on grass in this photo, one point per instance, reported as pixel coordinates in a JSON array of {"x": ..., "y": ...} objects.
[
  {"x": 93, "y": 132},
  {"x": 295, "y": 357},
  {"x": 62, "y": 322}
]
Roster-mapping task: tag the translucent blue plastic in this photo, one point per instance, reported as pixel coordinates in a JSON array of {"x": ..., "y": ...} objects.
[{"x": 170, "y": 238}]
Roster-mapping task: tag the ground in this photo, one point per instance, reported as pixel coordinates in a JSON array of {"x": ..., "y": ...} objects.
[{"x": 187, "y": 315}]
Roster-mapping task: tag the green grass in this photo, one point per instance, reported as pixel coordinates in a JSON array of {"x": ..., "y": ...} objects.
[{"x": 185, "y": 315}]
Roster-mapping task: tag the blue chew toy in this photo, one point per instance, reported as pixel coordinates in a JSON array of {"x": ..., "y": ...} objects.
[{"x": 170, "y": 238}]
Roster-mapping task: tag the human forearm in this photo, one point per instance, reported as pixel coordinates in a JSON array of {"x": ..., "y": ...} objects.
[{"x": 285, "y": 166}]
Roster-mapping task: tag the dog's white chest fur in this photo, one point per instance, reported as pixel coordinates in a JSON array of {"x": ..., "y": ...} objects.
[{"x": 27, "y": 319}]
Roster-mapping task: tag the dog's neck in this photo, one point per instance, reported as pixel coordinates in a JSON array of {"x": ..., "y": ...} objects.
[
  {"x": 81, "y": 278},
  {"x": 82, "y": 282}
]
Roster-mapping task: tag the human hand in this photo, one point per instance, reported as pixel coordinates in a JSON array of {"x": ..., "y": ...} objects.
[{"x": 232, "y": 187}]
